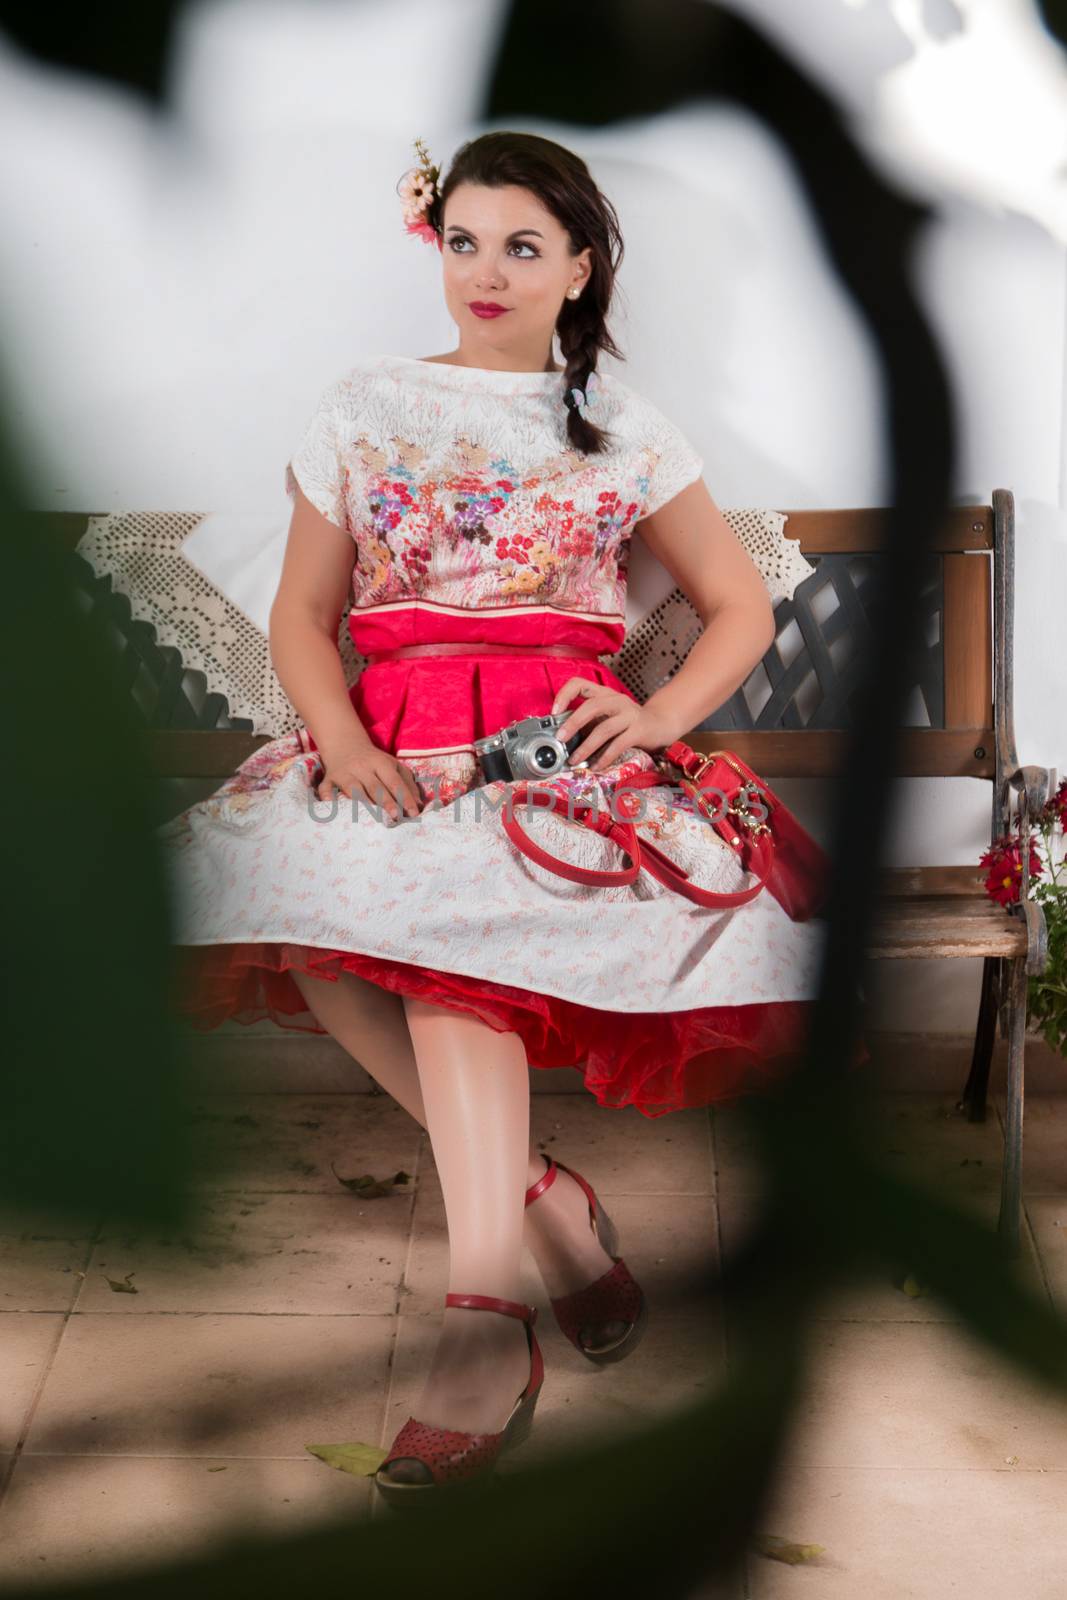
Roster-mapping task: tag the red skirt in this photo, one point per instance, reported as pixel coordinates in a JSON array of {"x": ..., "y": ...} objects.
[{"x": 657, "y": 1061}]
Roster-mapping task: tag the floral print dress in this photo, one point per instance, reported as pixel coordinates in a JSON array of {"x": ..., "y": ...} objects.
[{"x": 474, "y": 523}]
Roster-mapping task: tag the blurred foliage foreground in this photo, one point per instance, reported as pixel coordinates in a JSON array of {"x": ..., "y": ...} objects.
[{"x": 94, "y": 1115}]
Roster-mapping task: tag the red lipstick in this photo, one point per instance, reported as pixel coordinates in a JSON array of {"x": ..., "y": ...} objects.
[{"x": 487, "y": 308}]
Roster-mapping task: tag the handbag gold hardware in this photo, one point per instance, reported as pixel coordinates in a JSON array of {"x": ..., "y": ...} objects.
[{"x": 741, "y": 809}]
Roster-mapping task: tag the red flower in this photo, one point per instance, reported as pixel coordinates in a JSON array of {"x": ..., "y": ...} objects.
[
  {"x": 1056, "y": 806},
  {"x": 424, "y": 231},
  {"x": 1003, "y": 860}
]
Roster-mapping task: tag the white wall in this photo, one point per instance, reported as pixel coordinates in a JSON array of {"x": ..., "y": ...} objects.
[{"x": 173, "y": 300}]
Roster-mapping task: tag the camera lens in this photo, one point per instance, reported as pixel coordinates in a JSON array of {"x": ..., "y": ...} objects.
[{"x": 545, "y": 757}]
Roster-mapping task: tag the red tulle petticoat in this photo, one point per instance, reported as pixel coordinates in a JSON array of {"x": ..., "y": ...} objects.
[{"x": 656, "y": 1061}]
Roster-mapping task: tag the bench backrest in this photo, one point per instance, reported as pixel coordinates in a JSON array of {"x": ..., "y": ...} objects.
[{"x": 789, "y": 719}]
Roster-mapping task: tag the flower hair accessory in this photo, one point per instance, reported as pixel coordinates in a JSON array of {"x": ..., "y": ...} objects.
[
  {"x": 584, "y": 402},
  {"x": 418, "y": 190}
]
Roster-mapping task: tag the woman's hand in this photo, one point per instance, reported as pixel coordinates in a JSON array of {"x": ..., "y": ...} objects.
[
  {"x": 620, "y": 721},
  {"x": 363, "y": 772}
]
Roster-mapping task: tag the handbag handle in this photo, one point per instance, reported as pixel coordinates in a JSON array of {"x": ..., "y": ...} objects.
[
  {"x": 641, "y": 853},
  {"x": 624, "y": 833}
]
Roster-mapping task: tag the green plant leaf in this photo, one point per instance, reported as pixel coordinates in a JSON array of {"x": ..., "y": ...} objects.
[{"x": 1046, "y": 992}]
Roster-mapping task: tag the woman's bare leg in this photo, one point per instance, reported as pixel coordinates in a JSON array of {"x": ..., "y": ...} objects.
[
  {"x": 476, "y": 1091},
  {"x": 370, "y": 1023}
]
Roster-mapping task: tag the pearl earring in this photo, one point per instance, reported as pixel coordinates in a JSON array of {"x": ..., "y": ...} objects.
[{"x": 573, "y": 293}]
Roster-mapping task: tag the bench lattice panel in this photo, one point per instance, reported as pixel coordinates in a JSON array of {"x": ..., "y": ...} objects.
[
  {"x": 164, "y": 691},
  {"x": 809, "y": 681}
]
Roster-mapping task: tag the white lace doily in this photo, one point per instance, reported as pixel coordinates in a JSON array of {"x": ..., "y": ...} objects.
[{"x": 140, "y": 551}]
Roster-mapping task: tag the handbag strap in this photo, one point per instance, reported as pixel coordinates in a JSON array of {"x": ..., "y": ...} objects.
[
  {"x": 760, "y": 862},
  {"x": 624, "y": 834},
  {"x": 641, "y": 852}
]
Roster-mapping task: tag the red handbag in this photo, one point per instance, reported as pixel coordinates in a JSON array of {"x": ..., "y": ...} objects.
[{"x": 769, "y": 841}]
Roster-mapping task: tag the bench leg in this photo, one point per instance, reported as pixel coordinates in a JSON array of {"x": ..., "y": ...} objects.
[
  {"x": 1008, "y": 1223},
  {"x": 973, "y": 1099}
]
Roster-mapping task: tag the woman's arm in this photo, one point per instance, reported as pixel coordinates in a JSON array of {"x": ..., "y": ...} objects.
[
  {"x": 304, "y": 619},
  {"x": 695, "y": 543}
]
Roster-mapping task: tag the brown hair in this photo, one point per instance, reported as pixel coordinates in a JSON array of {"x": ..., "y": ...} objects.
[{"x": 563, "y": 183}]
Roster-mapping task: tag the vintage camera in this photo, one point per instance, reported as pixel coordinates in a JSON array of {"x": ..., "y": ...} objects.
[{"x": 528, "y": 749}]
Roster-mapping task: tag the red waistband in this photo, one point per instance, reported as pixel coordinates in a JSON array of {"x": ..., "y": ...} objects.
[{"x": 574, "y": 652}]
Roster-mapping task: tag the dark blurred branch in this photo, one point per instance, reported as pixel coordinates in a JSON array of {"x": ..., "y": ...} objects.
[
  {"x": 657, "y": 1511},
  {"x": 124, "y": 42}
]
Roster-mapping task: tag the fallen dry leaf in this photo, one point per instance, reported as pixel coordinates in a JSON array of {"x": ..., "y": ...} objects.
[
  {"x": 123, "y": 1287},
  {"x": 361, "y": 1460},
  {"x": 787, "y": 1550},
  {"x": 368, "y": 1187}
]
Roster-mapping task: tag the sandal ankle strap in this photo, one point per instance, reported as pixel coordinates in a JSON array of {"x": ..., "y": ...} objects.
[
  {"x": 492, "y": 1302},
  {"x": 545, "y": 1181},
  {"x": 549, "y": 1177}
]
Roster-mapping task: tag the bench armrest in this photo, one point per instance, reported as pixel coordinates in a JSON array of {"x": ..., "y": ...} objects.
[
  {"x": 1033, "y": 913},
  {"x": 1033, "y": 786}
]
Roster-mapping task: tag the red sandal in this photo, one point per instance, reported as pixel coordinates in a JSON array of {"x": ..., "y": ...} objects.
[
  {"x": 449, "y": 1455},
  {"x": 615, "y": 1297}
]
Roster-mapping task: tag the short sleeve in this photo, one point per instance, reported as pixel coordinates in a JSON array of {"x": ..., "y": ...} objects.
[
  {"x": 674, "y": 463},
  {"x": 317, "y": 464}
]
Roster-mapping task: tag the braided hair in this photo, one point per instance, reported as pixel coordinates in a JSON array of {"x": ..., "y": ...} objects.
[{"x": 563, "y": 183}]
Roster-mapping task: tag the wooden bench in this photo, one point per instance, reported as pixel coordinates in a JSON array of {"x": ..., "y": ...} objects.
[
  {"x": 790, "y": 720},
  {"x": 966, "y": 688}
]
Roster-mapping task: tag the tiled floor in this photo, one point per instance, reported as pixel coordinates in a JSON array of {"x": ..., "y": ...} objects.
[{"x": 292, "y": 1312}]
